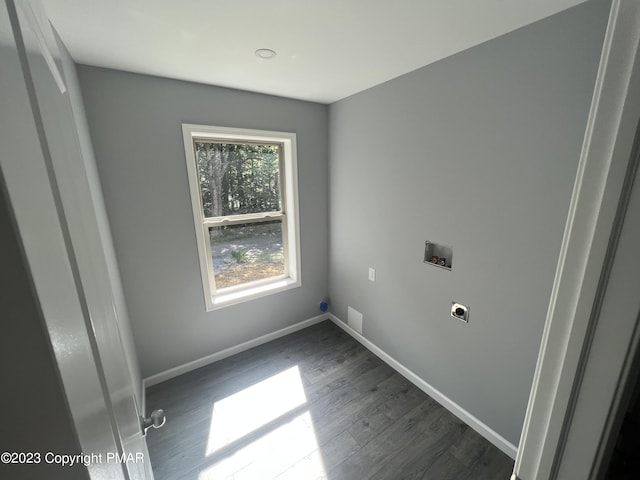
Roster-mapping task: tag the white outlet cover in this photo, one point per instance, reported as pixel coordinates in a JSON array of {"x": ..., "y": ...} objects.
[
  {"x": 354, "y": 319},
  {"x": 372, "y": 274}
]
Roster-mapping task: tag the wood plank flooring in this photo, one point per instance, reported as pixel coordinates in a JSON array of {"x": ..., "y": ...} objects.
[{"x": 312, "y": 405}]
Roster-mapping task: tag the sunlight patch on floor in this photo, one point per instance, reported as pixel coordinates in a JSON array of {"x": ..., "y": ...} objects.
[
  {"x": 246, "y": 411},
  {"x": 287, "y": 448},
  {"x": 310, "y": 467},
  {"x": 273, "y": 454}
]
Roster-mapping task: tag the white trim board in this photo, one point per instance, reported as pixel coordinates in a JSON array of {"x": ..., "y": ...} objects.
[
  {"x": 491, "y": 435},
  {"x": 227, "y": 352}
]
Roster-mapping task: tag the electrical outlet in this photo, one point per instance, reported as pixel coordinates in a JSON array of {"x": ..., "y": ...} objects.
[{"x": 372, "y": 274}]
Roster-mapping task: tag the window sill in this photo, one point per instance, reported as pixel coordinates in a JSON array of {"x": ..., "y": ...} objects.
[{"x": 240, "y": 296}]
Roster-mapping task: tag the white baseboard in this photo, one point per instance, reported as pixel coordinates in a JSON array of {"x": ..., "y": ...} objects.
[
  {"x": 227, "y": 352},
  {"x": 491, "y": 435}
]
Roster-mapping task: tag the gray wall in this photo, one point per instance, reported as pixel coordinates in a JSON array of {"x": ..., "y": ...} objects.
[
  {"x": 478, "y": 151},
  {"x": 135, "y": 124}
]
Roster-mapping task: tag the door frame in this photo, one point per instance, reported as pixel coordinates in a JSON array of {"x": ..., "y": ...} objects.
[
  {"x": 48, "y": 190},
  {"x": 586, "y": 256}
]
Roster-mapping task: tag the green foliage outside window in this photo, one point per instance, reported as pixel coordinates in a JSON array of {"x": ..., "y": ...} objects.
[{"x": 238, "y": 178}]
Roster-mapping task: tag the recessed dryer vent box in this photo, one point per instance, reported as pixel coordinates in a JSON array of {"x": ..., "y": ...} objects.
[{"x": 438, "y": 255}]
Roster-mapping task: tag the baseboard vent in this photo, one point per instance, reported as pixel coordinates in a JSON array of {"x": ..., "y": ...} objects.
[{"x": 354, "y": 319}]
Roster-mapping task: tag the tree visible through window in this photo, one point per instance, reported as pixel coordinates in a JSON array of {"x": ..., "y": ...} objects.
[
  {"x": 239, "y": 179},
  {"x": 240, "y": 184}
]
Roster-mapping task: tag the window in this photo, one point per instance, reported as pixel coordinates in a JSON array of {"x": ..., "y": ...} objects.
[{"x": 244, "y": 196}]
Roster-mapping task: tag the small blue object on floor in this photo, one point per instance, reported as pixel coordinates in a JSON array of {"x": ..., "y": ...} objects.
[{"x": 324, "y": 305}]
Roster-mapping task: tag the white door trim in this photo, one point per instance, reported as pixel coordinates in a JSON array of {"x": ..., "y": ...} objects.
[{"x": 592, "y": 213}]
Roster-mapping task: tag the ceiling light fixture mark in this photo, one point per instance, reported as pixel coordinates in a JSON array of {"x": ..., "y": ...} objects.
[{"x": 265, "y": 53}]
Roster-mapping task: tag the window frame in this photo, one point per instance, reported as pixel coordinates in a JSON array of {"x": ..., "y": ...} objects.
[{"x": 288, "y": 214}]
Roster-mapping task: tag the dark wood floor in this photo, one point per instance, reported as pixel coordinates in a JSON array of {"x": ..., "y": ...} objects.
[{"x": 314, "y": 404}]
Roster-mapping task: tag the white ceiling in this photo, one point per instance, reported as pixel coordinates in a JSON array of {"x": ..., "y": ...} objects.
[{"x": 326, "y": 49}]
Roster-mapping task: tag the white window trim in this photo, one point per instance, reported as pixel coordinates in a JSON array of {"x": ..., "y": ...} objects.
[{"x": 291, "y": 221}]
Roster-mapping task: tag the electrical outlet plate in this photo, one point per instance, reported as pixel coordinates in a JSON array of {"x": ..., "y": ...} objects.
[
  {"x": 372, "y": 274},
  {"x": 459, "y": 311}
]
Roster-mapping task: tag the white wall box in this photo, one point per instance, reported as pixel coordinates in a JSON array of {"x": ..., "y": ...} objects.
[{"x": 438, "y": 255}]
